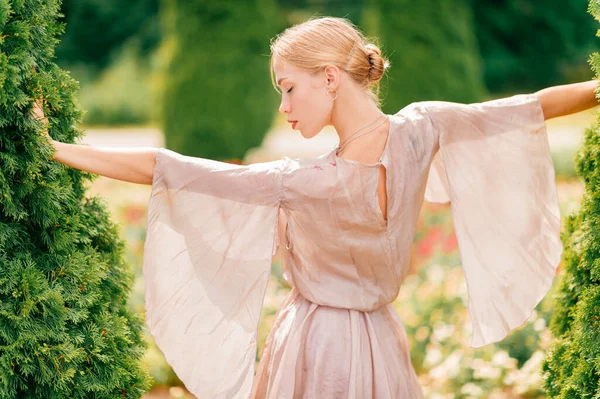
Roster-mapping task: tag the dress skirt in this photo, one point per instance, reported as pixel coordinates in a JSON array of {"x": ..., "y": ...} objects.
[{"x": 315, "y": 351}]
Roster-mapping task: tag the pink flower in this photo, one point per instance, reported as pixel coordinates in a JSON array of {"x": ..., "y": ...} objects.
[
  {"x": 432, "y": 237},
  {"x": 450, "y": 243},
  {"x": 134, "y": 213}
]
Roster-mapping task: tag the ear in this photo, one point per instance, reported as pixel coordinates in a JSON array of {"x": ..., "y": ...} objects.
[{"x": 332, "y": 76}]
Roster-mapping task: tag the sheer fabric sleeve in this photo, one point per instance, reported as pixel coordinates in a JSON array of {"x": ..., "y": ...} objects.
[
  {"x": 207, "y": 258},
  {"x": 495, "y": 168}
]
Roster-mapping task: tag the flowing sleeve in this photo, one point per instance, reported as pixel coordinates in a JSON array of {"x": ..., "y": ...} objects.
[
  {"x": 494, "y": 167},
  {"x": 211, "y": 235}
]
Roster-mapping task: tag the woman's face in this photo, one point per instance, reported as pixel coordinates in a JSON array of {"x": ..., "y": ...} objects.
[{"x": 304, "y": 98}]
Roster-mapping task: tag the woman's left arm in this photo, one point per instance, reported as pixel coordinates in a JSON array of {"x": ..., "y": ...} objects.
[{"x": 568, "y": 99}]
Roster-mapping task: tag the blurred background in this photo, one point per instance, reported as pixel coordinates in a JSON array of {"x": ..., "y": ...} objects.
[{"x": 193, "y": 76}]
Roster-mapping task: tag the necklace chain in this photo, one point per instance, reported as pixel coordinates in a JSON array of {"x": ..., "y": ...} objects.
[{"x": 342, "y": 145}]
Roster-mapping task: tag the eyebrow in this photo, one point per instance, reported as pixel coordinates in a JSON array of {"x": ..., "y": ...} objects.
[{"x": 280, "y": 80}]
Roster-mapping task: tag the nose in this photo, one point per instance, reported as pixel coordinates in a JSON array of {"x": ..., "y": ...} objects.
[{"x": 284, "y": 107}]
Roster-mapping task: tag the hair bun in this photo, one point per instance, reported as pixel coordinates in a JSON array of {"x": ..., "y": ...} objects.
[{"x": 377, "y": 62}]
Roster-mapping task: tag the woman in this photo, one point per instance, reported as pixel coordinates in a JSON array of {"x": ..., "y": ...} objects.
[{"x": 344, "y": 221}]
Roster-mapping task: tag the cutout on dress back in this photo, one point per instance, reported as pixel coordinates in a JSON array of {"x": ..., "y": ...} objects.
[{"x": 382, "y": 192}]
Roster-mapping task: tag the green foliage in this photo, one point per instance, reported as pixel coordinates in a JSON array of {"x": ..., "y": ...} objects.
[
  {"x": 432, "y": 49},
  {"x": 218, "y": 99},
  {"x": 65, "y": 328},
  {"x": 125, "y": 93},
  {"x": 576, "y": 319},
  {"x": 298, "y": 11},
  {"x": 563, "y": 159},
  {"x": 528, "y": 45},
  {"x": 571, "y": 368},
  {"x": 110, "y": 47},
  {"x": 98, "y": 28}
]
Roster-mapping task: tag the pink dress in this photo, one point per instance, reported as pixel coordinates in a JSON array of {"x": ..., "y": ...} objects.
[{"x": 213, "y": 228}]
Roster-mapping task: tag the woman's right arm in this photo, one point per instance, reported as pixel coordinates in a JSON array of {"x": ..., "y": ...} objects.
[{"x": 134, "y": 165}]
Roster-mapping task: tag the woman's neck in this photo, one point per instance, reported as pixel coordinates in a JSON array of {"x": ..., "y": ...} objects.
[{"x": 354, "y": 113}]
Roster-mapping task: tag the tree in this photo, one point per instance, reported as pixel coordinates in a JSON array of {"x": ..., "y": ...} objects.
[
  {"x": 65, "y": 328},
  {"x": 571, "y": 368},
  {"x": 431, "y": 46},
  {"x": 218, "y": 99},
  {"x": 96, "y": 29},
  {"x": 527, "y": 45}
]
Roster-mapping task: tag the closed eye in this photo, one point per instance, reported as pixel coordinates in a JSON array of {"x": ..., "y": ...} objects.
[{"x": 290, "y": 89}]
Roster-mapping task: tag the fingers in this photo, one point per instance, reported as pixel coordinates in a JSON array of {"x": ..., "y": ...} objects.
[{"x": 38, "y": 112}]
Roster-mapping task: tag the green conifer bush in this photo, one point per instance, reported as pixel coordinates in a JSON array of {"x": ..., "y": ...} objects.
[
  {"x": 218, "y": 98},
  {"x": 571, "y": 368},
  {"x": 65, "y": 328}
]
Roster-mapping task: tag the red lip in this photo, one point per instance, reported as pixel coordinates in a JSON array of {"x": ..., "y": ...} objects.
[{"x": 293, "y": 123}]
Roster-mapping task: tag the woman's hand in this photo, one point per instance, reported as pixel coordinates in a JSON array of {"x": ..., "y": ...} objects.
[{"x": 38, "y": 114}]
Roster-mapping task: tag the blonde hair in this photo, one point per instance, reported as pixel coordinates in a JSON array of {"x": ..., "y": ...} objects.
[{"x": 322, "y": 41}]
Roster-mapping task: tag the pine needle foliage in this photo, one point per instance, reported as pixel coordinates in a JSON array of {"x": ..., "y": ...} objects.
[
  {"x": 65, "y": 328},
  {"x": 571, "y": 368}
]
